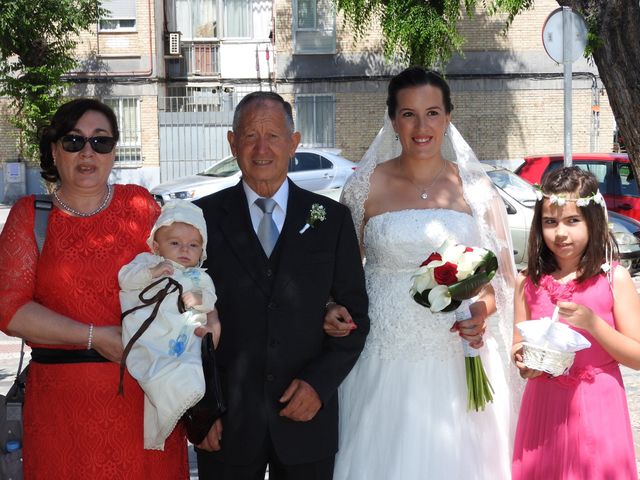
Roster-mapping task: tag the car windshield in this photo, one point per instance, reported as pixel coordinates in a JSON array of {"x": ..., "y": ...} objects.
[
  {"x": 224, "y": 168},
  {"x": 515, "y": 186}
]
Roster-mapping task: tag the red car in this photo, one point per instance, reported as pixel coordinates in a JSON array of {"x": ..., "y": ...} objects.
[{"x": 613, "y": 171}]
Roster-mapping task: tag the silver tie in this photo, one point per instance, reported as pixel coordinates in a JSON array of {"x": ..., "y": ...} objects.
[{"x": 267, "y": 229}]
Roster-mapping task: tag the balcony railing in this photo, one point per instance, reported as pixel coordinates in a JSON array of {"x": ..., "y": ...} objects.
[{"x": 197, "y": 59}]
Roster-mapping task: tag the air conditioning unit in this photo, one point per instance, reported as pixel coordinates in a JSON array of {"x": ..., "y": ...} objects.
[{"x": 174, "y": 43}]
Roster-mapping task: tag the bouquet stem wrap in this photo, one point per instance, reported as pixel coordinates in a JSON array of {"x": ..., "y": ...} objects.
[{"x": 479, "y": 389}]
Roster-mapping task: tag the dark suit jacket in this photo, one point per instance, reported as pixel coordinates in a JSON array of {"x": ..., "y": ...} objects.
[{"x": 272, "y": 312}]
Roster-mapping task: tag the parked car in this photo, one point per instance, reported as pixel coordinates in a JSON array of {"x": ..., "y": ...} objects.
[
  {"x": 311, "y": 168},
  {"x": 613, "y": 171},
  {"x": 519, "y": 198}
]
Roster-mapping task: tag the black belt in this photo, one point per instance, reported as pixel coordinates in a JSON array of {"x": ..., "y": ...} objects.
[{"x": 59, "y": 355}]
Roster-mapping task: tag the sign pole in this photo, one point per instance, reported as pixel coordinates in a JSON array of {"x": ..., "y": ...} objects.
[{"x": 567, "y": 60}]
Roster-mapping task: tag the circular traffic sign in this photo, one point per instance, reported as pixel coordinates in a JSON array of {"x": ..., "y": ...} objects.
[{"x": 553, "y": 35}]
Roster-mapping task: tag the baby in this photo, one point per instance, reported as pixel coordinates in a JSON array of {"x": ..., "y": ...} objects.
[{"x": 166, "y": 358}]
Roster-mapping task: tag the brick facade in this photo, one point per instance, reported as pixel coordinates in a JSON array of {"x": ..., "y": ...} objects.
[{"x": 508, "y": 94}]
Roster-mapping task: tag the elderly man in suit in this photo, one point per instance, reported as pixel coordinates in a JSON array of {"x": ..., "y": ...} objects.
[{"x": 277, "y": 253}]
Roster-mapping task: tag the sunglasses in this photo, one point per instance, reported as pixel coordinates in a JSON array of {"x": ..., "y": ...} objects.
[{"x": 75, "y": 143}]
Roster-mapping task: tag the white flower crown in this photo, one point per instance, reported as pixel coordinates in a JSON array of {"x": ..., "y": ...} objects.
[{"x": 561, "y": 199}]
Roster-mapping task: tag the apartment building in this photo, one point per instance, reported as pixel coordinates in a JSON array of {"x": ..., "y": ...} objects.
[{"x": 173, "y": 70}]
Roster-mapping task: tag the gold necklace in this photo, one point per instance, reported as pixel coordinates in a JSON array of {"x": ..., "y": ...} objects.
[
  {"x": 423, "y": 190},
  {"x": 77, "y": 213}
]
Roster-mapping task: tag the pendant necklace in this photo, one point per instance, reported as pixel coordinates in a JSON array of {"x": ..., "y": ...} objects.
[
  {"x": 77, "y": 213},
  {"x": 423, "y": 190}
]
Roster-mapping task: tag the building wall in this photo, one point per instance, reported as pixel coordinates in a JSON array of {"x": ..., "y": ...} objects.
[
  {"x": 120, "y": 53},
  {"x": 503, "y": 124},
  {"x": 508, "y": 94}
]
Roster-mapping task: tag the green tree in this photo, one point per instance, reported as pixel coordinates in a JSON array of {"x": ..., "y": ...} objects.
[
  {"x": 37, "y": 42},
  {"x": 425, "y": 32}
]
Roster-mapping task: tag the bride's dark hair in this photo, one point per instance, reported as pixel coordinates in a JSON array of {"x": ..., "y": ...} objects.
[{"x": 416, "y": 77}]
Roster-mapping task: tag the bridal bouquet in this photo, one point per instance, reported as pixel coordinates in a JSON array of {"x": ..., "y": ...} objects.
[{"x": 450, "y": 275}]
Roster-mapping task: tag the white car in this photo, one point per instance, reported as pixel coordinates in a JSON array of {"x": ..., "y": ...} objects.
[{"x": 311, "y": 168}]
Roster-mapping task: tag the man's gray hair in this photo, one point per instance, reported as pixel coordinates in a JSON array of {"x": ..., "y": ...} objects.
[{"x": 254, "y": 97}]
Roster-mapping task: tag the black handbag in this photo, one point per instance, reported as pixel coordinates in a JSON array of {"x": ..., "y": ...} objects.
[
  {"x": 11, "y": 425},
  {"x": 199, "y": 419}
]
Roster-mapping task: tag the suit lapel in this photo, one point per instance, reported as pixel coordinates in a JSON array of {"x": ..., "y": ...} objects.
[{"x": 242, "y": 239}]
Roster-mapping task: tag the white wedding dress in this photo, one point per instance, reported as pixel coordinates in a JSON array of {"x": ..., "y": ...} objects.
[{"x": 403, "y": 407}]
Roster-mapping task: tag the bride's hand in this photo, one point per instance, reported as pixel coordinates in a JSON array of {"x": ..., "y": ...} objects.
[
  {"x": 473, "y": 328},
  {"x": 337, "y": 321}
]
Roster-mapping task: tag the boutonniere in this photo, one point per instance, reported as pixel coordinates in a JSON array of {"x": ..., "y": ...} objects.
[{"x": 316, "y": 214}]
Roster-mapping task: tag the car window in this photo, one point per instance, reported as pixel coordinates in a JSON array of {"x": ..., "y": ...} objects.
[
  {"x": 514, "y": 186},
  {"x": 628, "y": 185},
  {"x": 304, "y": 161},
  {"x": 325, "y": 163},
  {"x": 224, "y": 168},
  {"x": 598, "y": 169}
]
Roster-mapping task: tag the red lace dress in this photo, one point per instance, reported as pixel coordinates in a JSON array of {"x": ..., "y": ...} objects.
[{"x": 76, "y": 426}]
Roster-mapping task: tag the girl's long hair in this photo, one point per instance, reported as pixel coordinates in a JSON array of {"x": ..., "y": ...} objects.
[{"x": 575, "y": 183}]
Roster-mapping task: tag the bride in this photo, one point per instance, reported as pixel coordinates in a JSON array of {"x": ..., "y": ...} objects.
[{"x": 403, "y": 407}]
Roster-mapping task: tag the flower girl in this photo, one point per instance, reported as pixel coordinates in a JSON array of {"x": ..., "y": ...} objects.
[{"x": 576, "y": 425}]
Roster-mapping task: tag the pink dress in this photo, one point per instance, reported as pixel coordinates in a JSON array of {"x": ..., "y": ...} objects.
[{"x": 575, "y": 426}]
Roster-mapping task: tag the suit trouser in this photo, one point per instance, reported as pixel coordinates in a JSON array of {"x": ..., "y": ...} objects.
[{"x": 209, "y": 468}]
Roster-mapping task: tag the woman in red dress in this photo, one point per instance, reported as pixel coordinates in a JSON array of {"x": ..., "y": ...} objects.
[{"x": 64, "y": 302}]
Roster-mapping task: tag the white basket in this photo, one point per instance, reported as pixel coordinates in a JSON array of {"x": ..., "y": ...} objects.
[{"x": 546, "y": 360}]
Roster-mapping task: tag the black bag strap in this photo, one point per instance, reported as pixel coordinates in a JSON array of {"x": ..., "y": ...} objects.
[{"x": 43, "y": 206}]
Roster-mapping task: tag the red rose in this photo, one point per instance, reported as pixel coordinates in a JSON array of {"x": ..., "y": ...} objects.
[
  {"x": 432, "y": 257},
  {"x": 446, "y": 274}
]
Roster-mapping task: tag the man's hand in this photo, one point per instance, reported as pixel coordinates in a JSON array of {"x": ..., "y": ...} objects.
[
  {"x": 211, "y": 442},
  {"x": 302, "y": 401},
  {"x": 163, "y": 269},
  {"x": 191, "y": 299},
  {"x": 338, "y": 321}
]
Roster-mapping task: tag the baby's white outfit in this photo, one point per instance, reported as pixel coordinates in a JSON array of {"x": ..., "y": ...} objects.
[{"x": 166, "y": 360}]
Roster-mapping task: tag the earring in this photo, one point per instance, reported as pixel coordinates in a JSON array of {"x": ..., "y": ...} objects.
[{"x": 397, "y": 136}]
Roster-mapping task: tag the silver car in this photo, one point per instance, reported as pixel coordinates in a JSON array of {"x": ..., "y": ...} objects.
[
  {"x": 519, "y": 198},
  {"x": 311, "y": 168}
]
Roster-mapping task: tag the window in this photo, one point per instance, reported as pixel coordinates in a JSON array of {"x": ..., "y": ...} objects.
[
  {"x": 307, "y": 14},
  {"x": 127, "y": 110},
  {"x": 121, "y": 16},
  {"x": 314, "y": 26},
  {"x": 628, "y": 185},
  {"x": 237, "y": 18},
  {"x": 304, "y": 161},
  {"x": 194, "y": 19},
  {"x": 315, "y": 119}
]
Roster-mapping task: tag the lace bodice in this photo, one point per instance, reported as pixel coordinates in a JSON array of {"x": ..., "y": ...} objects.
[{"x": 396, "y": 243}]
